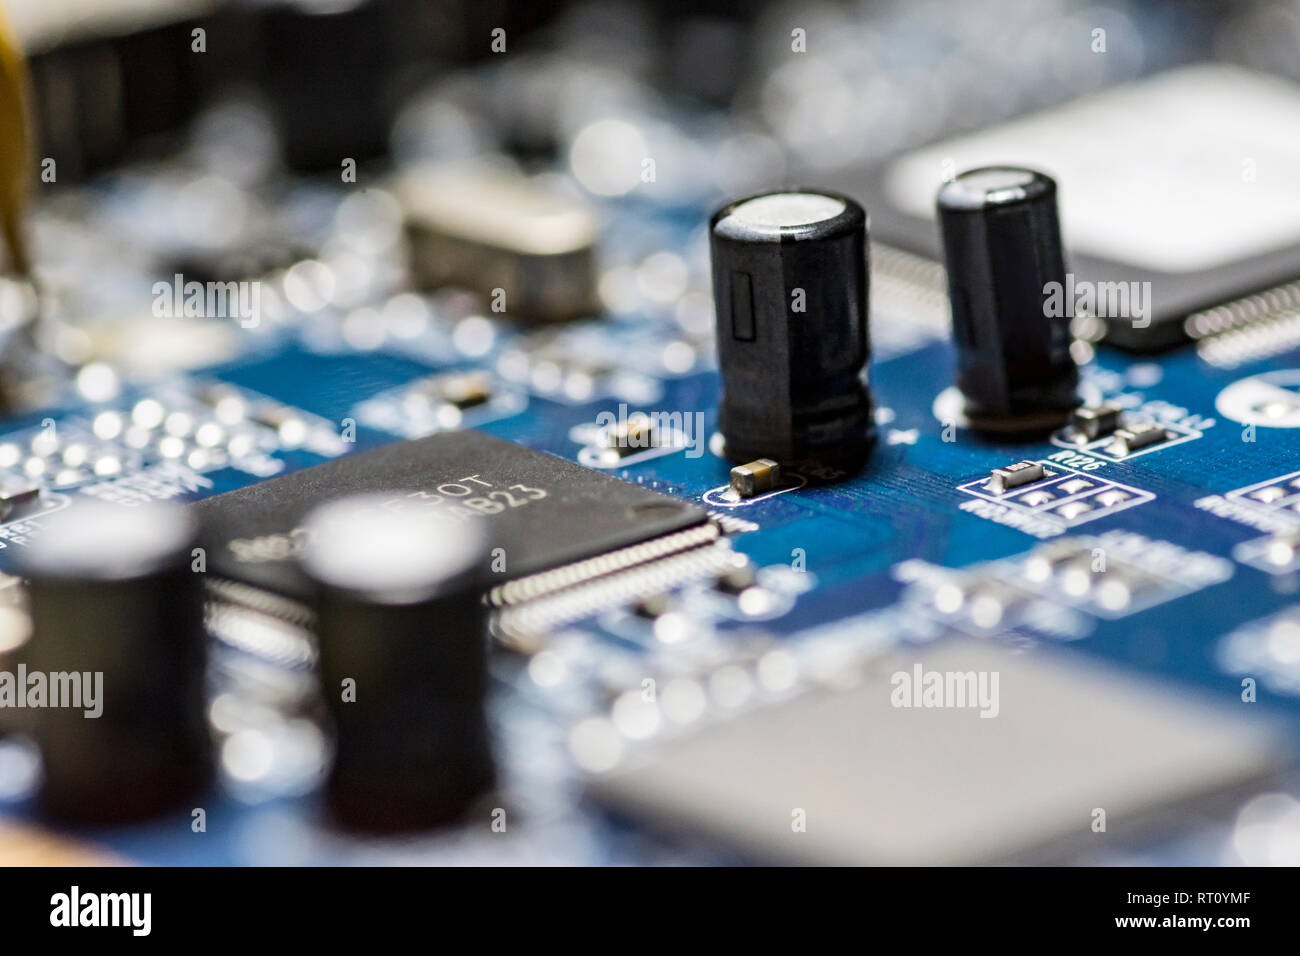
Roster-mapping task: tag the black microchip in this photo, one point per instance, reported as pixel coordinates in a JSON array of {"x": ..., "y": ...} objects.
[{"x": 544, "y": 511}]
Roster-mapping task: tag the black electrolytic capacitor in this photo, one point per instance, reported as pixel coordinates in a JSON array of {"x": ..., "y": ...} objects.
[
  {"x": 403, "y": 658},
  {"x": 790, "y": 286},
  {"x": 330, "y": 71},
  {"x": 117, "y": 606},
  {"x": 1002, "y": 247}
]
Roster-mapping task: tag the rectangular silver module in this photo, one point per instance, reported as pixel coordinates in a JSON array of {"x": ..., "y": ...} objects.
[
  {"x": 491, "y": 230},
  {"x": 866, "y": 776},
  {"x": 1140, "y": 244}
]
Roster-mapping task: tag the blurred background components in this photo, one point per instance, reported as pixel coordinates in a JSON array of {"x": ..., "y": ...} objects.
[
  {"x": 16, "y": 166},
  {"x": 108, "y": 75},
  {"x": 526, "y": 248}
]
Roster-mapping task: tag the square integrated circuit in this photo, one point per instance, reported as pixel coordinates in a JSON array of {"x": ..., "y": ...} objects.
[
  {"x": 544, "y": 511},
  {"x": 1017, "y": 759},
  {"x": 1177, "y": 193}
]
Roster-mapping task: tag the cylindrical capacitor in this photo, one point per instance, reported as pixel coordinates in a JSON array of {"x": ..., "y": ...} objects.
[
  {"x": 115, "y": 76},
  {"x": 1002, "y": 247},
  {"x": 330, "y": 71},
  {"x": 790, "y": 286},
  {"x": 117, "y": 613},
  {"x": 403, "y": 659}
]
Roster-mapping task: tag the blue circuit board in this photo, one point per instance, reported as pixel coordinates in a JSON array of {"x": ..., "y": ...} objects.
[
  {"x": 842, "y": 556},
  {"x": 1199, "y": 534}
]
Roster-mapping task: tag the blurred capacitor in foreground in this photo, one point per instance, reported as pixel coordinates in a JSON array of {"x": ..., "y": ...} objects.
[
  {"x": 403, "y": 659},
  {"x": 117, "y": 608}
]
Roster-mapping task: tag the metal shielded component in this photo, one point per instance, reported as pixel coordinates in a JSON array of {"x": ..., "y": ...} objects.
[
  {"x": 1006, "y": 765},
  {"x": 490, "y": 230}
]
